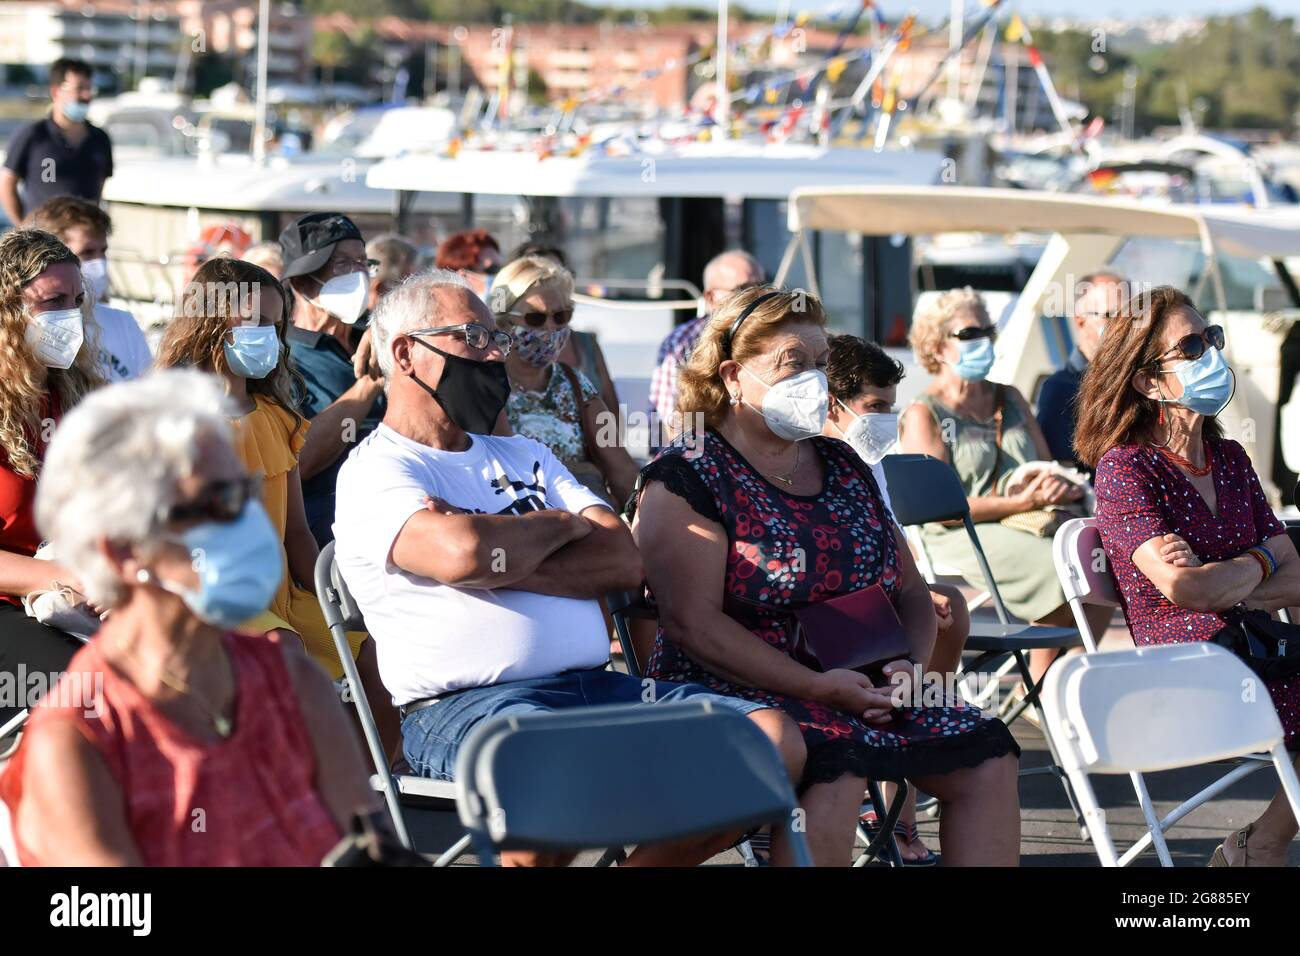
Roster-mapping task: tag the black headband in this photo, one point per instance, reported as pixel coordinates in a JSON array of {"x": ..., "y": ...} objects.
[{"x": 731, "y": 335}]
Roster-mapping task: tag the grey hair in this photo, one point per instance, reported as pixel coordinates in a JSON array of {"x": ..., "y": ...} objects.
[
  {"x": 392, "y": 251},
  {"x": 114, "y": 465},
  {"x": 715, "y": 265},
  {"x": 1085, "y": 285},
  {"x": 409, "y": 306}
]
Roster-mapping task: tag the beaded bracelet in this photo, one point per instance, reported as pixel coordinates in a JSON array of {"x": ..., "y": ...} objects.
[{"x": 1264, "y": 565}]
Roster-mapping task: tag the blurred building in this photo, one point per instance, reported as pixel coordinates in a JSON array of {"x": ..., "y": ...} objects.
[
  {"x": 229, "y": 28},
  {"x": 117, "y": 37}
]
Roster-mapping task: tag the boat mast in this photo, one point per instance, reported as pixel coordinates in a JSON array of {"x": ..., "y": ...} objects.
[
  {"x": 723, "y": 110},
  {"x": 259, "y": 121},
  {"x": 956, "y": 40}
]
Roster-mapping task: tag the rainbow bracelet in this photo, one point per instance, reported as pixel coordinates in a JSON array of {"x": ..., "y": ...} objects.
[{"x": 1264, "y": 564}]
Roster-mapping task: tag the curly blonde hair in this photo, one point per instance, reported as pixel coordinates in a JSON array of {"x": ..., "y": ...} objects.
[
  {"x": 24, "y": 381},
  {"x": 930, "y": 327},
  {"x": 196, "y": 337},
  {"x": 699, "y": 384}
]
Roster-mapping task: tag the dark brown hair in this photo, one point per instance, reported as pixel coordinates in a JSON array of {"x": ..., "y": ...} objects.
[{"x": 1109, "y": 411}]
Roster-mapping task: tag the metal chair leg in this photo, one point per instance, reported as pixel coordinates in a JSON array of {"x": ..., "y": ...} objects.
[{"x": 884, "y": 839}]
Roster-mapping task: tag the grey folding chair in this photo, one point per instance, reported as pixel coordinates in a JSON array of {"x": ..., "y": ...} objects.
[
  {"x": 648, "y": 774},
  {"x": 626, "y": 606},
  {"x": 343, "y": 615},
  {"x": 922, "y": 490}
]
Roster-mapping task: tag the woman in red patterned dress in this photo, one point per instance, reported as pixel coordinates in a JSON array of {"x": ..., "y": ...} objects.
[
  {"x": 1185, "y": 524},
  {"x": 757, "y": 515}
]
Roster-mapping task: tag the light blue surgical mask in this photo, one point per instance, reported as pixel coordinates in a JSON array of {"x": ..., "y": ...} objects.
[
  {"x": 255, "y": 351},
  {"x": 76, "y": 111},
  {"x": 1208, "y": 383},
  {"x": 974, "y": 359},
  {"x": 239, "y": 564}
]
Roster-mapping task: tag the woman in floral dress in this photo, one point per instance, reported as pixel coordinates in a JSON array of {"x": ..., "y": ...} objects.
[
  {"x": 760, "y": 516},
  {"x": 558, "y": 406}
]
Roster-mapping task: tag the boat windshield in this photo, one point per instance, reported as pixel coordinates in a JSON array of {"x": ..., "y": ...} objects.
[{"x": 1181, "y": 263}]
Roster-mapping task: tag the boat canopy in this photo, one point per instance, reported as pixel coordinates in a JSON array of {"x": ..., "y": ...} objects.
[
  {"x": 752, "y": 170},
  {"x": 928, "y": 210}
]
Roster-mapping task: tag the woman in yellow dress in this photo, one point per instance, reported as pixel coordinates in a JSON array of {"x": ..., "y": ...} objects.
[{"x": 231, "y": 321}]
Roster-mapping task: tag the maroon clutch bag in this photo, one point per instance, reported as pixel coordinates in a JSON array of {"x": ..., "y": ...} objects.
[{"x": 859, "y": 631}]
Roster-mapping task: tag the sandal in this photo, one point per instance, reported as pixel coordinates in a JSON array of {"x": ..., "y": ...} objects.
[
  {"x": 903, "y": 833},
  {"x": 1219, "y": 858}
]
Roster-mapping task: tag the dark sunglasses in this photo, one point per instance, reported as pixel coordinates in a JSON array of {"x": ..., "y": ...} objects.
[
  {"x": 1193, "y": 346},
  {"x": 537, "y": 319},
  {"x": 973, "y": 332},
  {"x": 219, "y": 501}
]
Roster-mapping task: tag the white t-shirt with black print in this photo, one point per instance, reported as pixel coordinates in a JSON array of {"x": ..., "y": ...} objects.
[{"x": 431, "y": 637}]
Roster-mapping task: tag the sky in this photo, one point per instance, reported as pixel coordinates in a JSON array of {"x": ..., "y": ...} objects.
[{"x": 935, "y": 8}]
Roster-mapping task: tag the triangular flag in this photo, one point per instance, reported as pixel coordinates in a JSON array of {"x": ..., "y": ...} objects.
[
  {"x": 1015, "y": 29},
  {"x": 835, "y": 68}
]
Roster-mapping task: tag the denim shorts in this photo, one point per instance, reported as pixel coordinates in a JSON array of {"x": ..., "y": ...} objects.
[{"x": 432, "y": 736}]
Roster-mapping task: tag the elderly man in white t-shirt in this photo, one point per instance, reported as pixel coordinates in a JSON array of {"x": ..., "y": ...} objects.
[{"x": 478, "y": 560}]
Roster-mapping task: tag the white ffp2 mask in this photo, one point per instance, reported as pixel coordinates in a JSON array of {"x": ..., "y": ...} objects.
[
  {"x": 95, "y": 272},
  {"x": 344, "y": 297},
  {"x": 56, "y": 337},
  {"x": 873, "y": 435},
  {"x": 795, "y": 407}
]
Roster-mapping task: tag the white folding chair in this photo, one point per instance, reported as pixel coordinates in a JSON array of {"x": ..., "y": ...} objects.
[
  {"x": 1158, "y": 708},
  {"x": 1085, "y": 577}
]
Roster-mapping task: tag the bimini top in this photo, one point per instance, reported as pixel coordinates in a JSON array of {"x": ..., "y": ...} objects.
[
  {"x": 744, "y": 168},
  {"x": 928, "y": 210}
]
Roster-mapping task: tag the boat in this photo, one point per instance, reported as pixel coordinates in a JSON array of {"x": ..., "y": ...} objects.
[{"x": 1232, "y": 260}]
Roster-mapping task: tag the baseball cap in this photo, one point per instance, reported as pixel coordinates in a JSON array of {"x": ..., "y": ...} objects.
[{"x": 309, "y": 240}]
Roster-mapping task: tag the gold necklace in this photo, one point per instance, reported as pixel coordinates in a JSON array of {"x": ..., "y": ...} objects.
[
  {"x": 788, "y": 478},
  {"x": 220, "y": 723}
]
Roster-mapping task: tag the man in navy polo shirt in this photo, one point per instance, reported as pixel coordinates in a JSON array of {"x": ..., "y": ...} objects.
[
  {"x": 1096, "y": 296},
  {"x": 60, "y": 155},
  {"x": 325, "y": 264}
]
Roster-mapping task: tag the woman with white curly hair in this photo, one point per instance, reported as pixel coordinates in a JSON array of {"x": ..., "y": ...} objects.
[
  {"x": 986, "y": 431},
  {"x": 46, "y": 366},
  {"x": 173, "y": 739}
]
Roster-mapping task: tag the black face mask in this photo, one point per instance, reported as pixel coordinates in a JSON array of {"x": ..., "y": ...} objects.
[{"x": 471, "y": 393}]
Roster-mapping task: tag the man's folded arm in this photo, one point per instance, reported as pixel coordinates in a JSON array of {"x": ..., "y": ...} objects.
[
  {"x": 604, "y": 560},
  {"x": 483, "y": 551}
]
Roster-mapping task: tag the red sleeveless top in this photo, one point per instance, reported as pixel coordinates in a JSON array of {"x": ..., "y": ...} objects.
[{"x": 247, "y": 800}]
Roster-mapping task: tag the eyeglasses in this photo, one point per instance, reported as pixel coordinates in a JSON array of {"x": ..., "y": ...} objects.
[
  {"x": 219, "y": 501},
  {"x": 341, "y": 267},
  {"x": 973, "y": 332},
  {"x": 1193, "y": 346},
  {"x": 476, "y": 336},
  {"x": 537, "y": 319}
]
